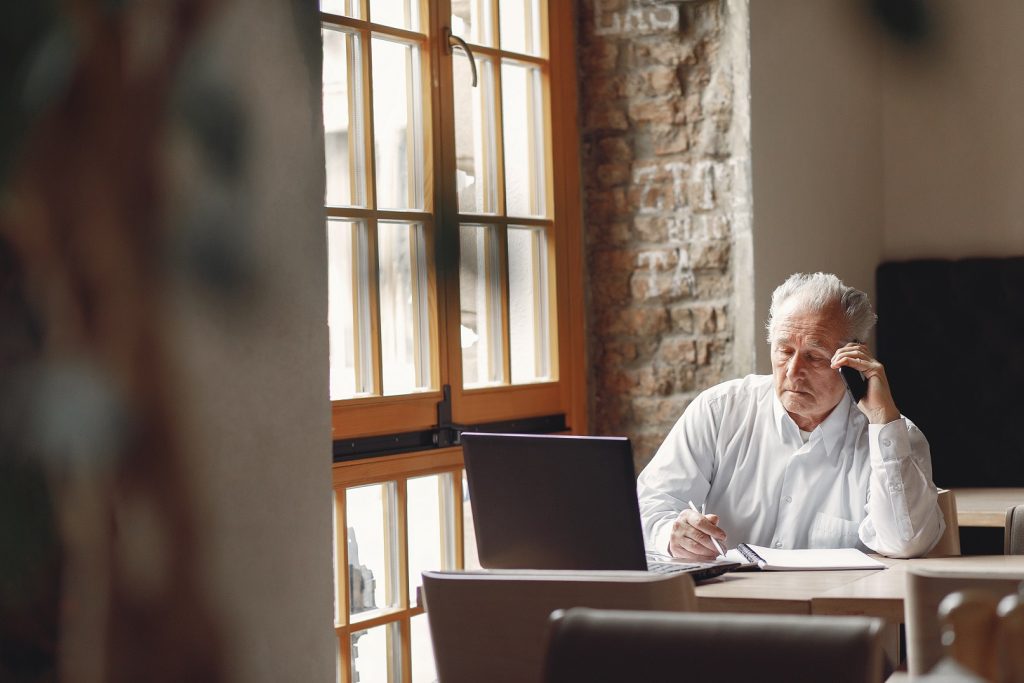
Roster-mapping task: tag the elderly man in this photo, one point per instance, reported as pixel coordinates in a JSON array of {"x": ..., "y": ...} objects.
[{"x": 789, "y": 460}]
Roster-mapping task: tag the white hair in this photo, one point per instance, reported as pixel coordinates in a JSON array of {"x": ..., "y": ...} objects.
[{"x": 819, "y": 291}]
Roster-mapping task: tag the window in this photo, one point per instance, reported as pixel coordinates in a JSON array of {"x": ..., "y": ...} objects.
[{"x": 454, "y": 254}]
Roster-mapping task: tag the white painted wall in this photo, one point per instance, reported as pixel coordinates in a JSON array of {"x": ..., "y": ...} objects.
[
  {"x": 815, "y": 141},
  {"x": 864, "y": 152},
  {"x": 953, "y": 136},
  {"x": 253, "y": 377}
]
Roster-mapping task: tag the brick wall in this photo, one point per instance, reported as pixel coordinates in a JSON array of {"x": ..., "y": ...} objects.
[{"x": 665, "y": 145}]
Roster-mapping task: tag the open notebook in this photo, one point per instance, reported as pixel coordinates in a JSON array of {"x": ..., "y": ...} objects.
[{"x": 790, "y": 560}]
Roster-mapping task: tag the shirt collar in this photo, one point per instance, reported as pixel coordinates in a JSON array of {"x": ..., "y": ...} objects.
[{"x": 831, "y": 431}]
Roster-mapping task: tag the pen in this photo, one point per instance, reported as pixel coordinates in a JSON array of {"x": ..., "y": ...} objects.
[{"x": 721, "y": 551}]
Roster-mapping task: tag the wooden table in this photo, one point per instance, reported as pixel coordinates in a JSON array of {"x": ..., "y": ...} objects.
[
  {"x": 853, "y": 591},
  {"x": 872, "y": 592},
  {"x": 987, "y": 506},
  {"x": 771, "y": 592}
]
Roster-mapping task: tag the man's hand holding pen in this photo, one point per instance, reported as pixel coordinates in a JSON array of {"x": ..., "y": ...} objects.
[{"x": 694, "y": 536}]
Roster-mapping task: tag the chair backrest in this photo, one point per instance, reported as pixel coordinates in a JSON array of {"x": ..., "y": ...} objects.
[
  {"x": 969, "y": 627},
  {"x": 984, "y": 637},
  {"x": 602, "y": 645},
  {"x": 492, "y": 626},
  {"x": 949, "y": 543},
  {"x": 929, "y": 581},
  {"x": 1009, "y": 653},
  {"x": 1014, "y": 538}
]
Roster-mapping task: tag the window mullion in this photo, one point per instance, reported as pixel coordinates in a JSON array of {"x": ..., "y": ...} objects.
[
  {"x": 500, "y": 281},
  {"x": 344, "y": 581},
  {"x": 365, "y": 47},
  {"x": 542, "y": 343},
  {"x": 499, "y": 137},
  {"x": 373, "y": 285},
  {"x": 402, "y": 536},
  {"x": 446, "y": 235}
]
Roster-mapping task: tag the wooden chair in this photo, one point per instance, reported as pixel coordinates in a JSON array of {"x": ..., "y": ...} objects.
[
  {"x": 1010, "y": 638},
  {"x": 929, "y": 581},
  {"x": 969, "y": 624},
  {"x": 949, "y": 543},
  {"x": 614, "y": 646},
  {"x": 984, "y": 636},
  {"x": 1014, "y": 535},
  {"x": 492, "y": 625}
]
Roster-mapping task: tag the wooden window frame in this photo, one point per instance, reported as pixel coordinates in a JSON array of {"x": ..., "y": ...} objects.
[
  {"x": 398, "y": 469},
  {"x": 380, "y": 417},
  {"x": 367, "y": 416}
]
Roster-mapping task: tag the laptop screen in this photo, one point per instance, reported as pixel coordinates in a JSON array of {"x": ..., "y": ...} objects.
[{"x": 553, "y": 502}]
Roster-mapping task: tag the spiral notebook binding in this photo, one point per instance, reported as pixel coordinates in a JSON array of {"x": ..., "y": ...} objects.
[{"x": 750, "y": 555}]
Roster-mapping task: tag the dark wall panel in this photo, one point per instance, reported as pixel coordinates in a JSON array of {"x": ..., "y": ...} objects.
[{"x": 951, "y": 336}]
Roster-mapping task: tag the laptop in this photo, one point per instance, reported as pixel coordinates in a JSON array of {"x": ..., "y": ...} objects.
[{"x": 561, "y": 502}]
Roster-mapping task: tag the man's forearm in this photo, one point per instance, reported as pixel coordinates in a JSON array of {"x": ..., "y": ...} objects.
[{"x": 905, "y": 520}]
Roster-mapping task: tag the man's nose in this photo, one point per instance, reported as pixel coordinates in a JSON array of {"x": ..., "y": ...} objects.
[{"x": 795, "y": 366}]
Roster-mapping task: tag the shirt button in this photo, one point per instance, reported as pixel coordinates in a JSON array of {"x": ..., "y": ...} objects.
[
  {"x": 887, "y": 442},
  {"x": 778, "y": 544},
  {"x": 896, "y": 487},
  {"x": 788, "y": 499}
]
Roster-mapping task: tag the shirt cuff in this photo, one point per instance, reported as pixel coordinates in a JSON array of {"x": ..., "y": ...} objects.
[
  {"x": 889, "y": 447},
  {"x": 662, "y": 536},
  {"x": 889, "y": 441}
]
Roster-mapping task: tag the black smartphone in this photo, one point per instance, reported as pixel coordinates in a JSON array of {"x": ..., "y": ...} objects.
[{"x": 854, "y": 382}]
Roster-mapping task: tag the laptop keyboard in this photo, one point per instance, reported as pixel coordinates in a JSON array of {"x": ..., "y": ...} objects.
[{"x": 670, "y": 567}]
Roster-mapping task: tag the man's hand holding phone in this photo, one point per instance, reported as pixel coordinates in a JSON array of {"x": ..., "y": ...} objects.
[{"x": 855, "y": 362}]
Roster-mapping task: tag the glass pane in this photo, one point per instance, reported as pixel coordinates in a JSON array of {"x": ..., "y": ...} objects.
[
  {"x": 399, "y": 13},
  {"x": 377, "y": 655},
  {"x": 475, "y": 142},
  {"x": 347, "y": 8},
  {"x": 348, "y": 308},
  {"x": 524, "y": 135},
  {"x": 343, "y": 119},
  {"x": 430, "y": 531},
  {"x": 423, "y": 668},
  {"x": 520, "y": 25},
  {"x": 471, "y": 21},
  {"x": 480, "y": 296},
  {"x": 470, "y": 560},
  {"x": 398, "y": 125},
  {"x": 405, "y": 337},
  {"x": 372, "y": 548},
  {"x": 528, "y": 315}
]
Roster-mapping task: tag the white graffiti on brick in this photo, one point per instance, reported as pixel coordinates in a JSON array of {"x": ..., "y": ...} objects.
[
  {"x": 657, "y": 262},
  {"x": 634, "y": 20},
  {"x": 707, "y": 180}
]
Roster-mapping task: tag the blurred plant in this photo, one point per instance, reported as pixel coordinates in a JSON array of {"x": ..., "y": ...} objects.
[{"x": 89, "y": 447}]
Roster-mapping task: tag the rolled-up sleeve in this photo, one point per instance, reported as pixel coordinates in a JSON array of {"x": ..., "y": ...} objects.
[
  {"x": 903, "y": 515},
  {"x": 680, "y": 471}
]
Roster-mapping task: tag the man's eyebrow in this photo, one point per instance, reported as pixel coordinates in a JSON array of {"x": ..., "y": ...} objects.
[
  {"x": 819, "y": 344},
  {"x": 810, "y": 341}
]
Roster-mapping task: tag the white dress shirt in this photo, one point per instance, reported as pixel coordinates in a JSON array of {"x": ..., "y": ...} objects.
[{"x": 852, "y": 484}]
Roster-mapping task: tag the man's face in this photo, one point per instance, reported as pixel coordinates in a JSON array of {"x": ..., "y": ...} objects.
[{"x": 803, "y": 343}]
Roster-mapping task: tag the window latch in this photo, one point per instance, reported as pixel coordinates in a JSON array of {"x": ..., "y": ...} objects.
[
  {"x": 453, "y": 42},
  {"x": 447, "y": 431}
]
